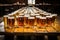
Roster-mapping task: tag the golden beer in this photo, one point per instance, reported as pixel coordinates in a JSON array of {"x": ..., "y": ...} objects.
[
  {"x": 38, "y": 21},
  {"x": 49, "y": 20},
  {"x": 42, "y": 22},
  {"x": 11, "y": 21},
  {"x": 31, "y": 21},
  {"x": 20, "y": 21}
]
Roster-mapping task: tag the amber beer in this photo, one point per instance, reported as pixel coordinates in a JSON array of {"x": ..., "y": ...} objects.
[
  {"x": 37, "y": 21},
  {"x": 49, "y": 20},
  {"x": 42, "y": 22},
  {"x": 20, "y": 21},
  {"x": 5, "y": 20},
  {"x": 31, "y": 21},
  {"x": 11, "y": 21}
]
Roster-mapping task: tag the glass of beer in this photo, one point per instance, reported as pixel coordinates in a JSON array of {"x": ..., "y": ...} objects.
[
  {"x": 20, "y": 21},
  {"x": 11, "y": 22},
  {"x": 42, "y": 22},
  {"x": 31, "y": 21},
  {"x": 49, "y": 20},
  {"x": 38, "y": 21},
  {"x": 5, "y": 18}
]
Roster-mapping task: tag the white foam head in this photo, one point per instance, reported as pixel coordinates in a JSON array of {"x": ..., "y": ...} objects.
[
  {"x": 54, "y": 14},
  {"x": 37, "y": 16},
  {"x": 31, "y": 17},
  {"x": 42, "y": 17},
  {"x": 5, "y": 16},
  {"x": 10, "y": 14},
  {"x": 26, "y": 15},
  {"x": 10, "y": 17},
  {"x": 49, "y": 16},
  {"x": 21, "y": 16}
]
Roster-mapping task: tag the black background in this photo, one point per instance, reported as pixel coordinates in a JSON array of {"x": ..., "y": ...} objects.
[{"x": 54, "y": 8}]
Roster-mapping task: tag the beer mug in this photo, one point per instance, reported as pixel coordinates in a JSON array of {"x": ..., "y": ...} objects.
[
  {"x": 5, "y": 18},
  {"x": 20, "y": 21},
  {"x": 11, "y": 22},
  {"x": 31, "y": 21}
]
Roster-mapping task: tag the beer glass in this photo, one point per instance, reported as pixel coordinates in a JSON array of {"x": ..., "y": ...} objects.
[
  {"x": 37, "y": 21},
  {"x": 42, "y": 22},
  {"x": 31, "y": 21},
  {"x": 49, "y": 20},
  {"x": 20, "y": 21},
  {"x": 11, "y": 22}
]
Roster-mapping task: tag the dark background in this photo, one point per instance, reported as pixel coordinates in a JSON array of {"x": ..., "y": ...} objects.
[{"x": 53, "y": 8}]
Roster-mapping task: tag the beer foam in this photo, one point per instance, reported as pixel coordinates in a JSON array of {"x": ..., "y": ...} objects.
[
  {"x": 44, "y": 12},
  {"x": 5, "y": 16},
  {"x": 42, "y": 17},
  {"x": 31, "y": 17},
  {"x": 10, "y": 17},
  {"x": 26, "y": 15},
  {"x": 37, "y": 16},
  {"x": 13, "y": 13},
  {"x": 21, "y": 16},
  {"x": 54, "y": 15},
  {"x": 49, "y": 16},
  {"x": 10, "y": 14}
]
